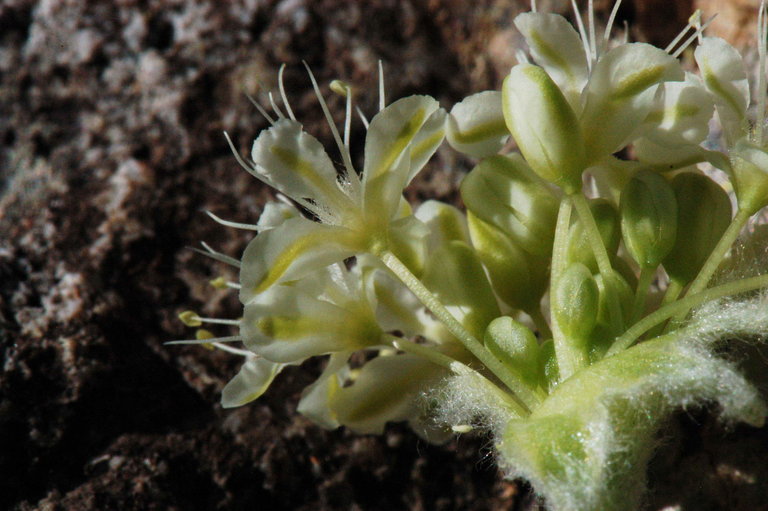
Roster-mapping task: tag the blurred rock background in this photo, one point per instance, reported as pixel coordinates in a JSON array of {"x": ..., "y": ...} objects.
[{"x": 111, "y": 148}]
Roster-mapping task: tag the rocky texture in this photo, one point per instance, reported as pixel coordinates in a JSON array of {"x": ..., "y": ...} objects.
[{"x": 111, "y": 116}]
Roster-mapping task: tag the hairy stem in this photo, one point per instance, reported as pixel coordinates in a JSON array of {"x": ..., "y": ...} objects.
[{"x": 519, "y": 391}]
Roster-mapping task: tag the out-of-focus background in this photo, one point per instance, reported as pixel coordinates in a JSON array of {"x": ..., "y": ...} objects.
[{"x": 111, "y": 148}]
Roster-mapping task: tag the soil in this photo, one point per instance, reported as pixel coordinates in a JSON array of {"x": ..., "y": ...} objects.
[{"x": 111, "y": 149}]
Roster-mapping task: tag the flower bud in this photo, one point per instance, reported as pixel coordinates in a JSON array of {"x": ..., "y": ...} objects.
[
  {"x": 575, "y": 303},
  {"x": 544, "y": 126},
  {"x": 648, "y": 218},
  {"x": 515, "y": 345},
  {"x": 549, "y": 372},
  {"x": 704, "y": 212},
  {"x": 504, "y": 191},
  {"x": 517, "y": 278}
]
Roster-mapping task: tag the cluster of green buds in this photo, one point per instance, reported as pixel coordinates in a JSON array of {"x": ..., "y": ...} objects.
[{"x": 579, "y": 298}]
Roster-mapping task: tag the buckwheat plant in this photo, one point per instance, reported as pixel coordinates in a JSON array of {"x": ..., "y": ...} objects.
[{"x": 584, "y": 294}]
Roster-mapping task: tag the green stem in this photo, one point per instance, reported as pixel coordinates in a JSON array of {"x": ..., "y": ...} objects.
[
  {"x": 719, "y": 252},
  {"x": 592, "y": 233},
  {"x": 601, "y": 256},
  {"x": 682, "y": 306},
  {"x": 520, "y": 392},
  {"x": 569, "y": 357},
  {"x": 444, "y": 360},
  {"x": 674, "y": 288},
  {"x": 641, "y": 293}
]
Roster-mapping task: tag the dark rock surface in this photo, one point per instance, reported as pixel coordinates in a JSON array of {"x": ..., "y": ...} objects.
[{"x": 111, "y": 147}]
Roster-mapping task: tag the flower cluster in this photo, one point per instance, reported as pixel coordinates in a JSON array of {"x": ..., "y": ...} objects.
[{"x": 578, "y": 299}]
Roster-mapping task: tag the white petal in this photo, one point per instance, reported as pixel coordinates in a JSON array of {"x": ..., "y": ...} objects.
[
  {"x": 476, "y": 125},
  {"x": 724, "y": 75},
  {"x": 621, "y": 93},
  {"x": 680, "y": 115},
  {"x": 445, "y": 222},
  {"x": 404, "y": 131},
  {"x": 296, "y": 164},
  {"x": 556, "y": 46},
  {"x": 316, "y": 399},
  {"x": 251, "y": 382},
  {"x": 290, "y": 251},
  {"x": 286, "y": 324},
  {"x": 388, "y": 388}
]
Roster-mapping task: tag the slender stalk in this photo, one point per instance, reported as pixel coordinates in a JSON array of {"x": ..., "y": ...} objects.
[
  {"x": 674, "y": 288},
  {"x": 569, "y": 357},
  {"x": 682, "y": 306},
  {"x": 519, "y": 391},
  {"x": 601, "y": 256},
  {"x": 719, "y": 252},
  {"x": 641, "y": 293}
]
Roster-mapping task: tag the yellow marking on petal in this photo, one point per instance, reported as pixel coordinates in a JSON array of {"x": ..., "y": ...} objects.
[
  {"x": 308, "y": 172},
  {"x": 636, "y": 83},
  {"x": 404, "y": 137},
  {"x": 482, "y": 132},
  {"x": 710, "y": 79},
  {"x": 676, "y": 112},
  {"x": 551, "y": 54},
  {"x": 427, "y": 144}
]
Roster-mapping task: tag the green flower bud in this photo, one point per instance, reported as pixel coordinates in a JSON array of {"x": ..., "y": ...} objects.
[
  {"x": 575, "y": 303},
  {"x": 613, "y": 286},
  {"x": 607, "y": 220},
  {"x": 648, "y": 218},
  {"x": 749, "y": 165},
  {"x": 504, "y": 191},
  {"x": 704, "y": 212},
  {"x": 517, "y": 278},
  {"x": 515, "y": 345},
  {"x": 544, "y": 126}
]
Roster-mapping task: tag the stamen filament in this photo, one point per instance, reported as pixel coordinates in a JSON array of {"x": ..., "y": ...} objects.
[
  {"x": 236, "y": 225},
  {"x": 282, "y": 93},
  {"x": 261, "y": 110},
  {"x": 276, "y": 108},
  {"x": 382, "y": 97},
  {"x": 231, "y": 338},
  {"x": 583, "y": 33}
]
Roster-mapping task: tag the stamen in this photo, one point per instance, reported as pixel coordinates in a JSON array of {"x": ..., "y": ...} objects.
[
  {"x": 282, "y": 93},
  {"x": 214, "y": 340},
  {"x": 363, "y": 118},
  {"x": 382, "y": 99},
  {"x": 609, "y": 26},
  {"x": 592, "y": 37},
  {"x": 626, "y": 33},
  {"x": 351, "y": 174},
  {"x": 276, "y": 108},
  {"x": 681, "y": 34},
  {"x": 533, "y": 5},
  {"x": 583, "y": 33},
  {"x": 693, "y": 36},
  {"x": 234, "y": 351},
  {"x": 222, "y": 283},
  {"x": 261, "y": 110},
  {"x": 236, "y": 225},
  {"x": 347, "y": 117},
  {"x": 218, "y": 256},
  {"x": 521, "y": 57}
]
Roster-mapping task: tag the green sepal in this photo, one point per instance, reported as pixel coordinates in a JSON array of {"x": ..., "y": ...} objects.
[
  {"x": 456, "y": 277},
  {"x": 574, "y": 303},
  {"x": 505, "y": 192},
  {"x": 515, "y": 345},
  {"x": 704, "y": 212},
  {"x": 648, "y": 218},
  {"x": 518, "y": 278}
]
